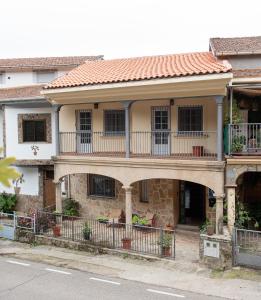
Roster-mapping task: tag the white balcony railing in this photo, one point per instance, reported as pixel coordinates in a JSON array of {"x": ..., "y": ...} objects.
[
  {"x": 186, "y": 144},
  {"x": 245, "y": 138}
]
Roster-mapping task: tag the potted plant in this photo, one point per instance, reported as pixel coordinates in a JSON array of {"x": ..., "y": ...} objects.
[
  {"x": 16, "y": 183},
  {"x": 102, "y": 219},
  {"x": 165, "y": 243},
  {"x": 56, "y": 230},
  {"x": 139, "y": 222},
  {"x": 87, "y": 232},
  {"x": 126, "y": 243},
  {"x": 238, "y": 144}
]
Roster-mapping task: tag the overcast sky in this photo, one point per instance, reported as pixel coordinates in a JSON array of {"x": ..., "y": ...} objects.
[{"x": 121, "y": 28}]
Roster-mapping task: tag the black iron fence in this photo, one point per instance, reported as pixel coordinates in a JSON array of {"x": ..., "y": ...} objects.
[{"x": 141, "y": 239}]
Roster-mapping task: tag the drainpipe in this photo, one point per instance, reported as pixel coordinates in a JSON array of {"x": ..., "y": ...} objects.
[{"x": 219, "y": 102}]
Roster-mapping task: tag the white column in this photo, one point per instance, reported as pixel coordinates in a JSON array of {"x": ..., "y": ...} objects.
[
  {"x": 231, "y": 207},
  {"x": 57, "y": 133},
  {"x": 219, "y": 101},
  {"x": 58, "y": 197},
  {"x": 127, "y": 105},
  {"x": 128, "y": 204},
  {"x": 219, "y": 214}
]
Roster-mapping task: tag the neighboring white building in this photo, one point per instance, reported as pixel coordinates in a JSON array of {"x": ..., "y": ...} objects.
[{"x": 28, "y": 123}]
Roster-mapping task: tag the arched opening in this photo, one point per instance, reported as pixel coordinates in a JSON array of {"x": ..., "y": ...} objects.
[{"x": 248, "y": 195}]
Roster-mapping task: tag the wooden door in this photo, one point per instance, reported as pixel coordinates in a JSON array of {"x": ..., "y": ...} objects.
[{"x": 49, "y": 188}]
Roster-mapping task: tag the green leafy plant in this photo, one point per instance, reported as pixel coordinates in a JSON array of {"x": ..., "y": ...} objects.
[
  {"x": 87, "y": 232},
  {"x": 102, "y": 219},
  {"x": 166, "y": 240},
  {"x": 136, "y": 220},
  {"x": 71, "y": 207},
  {"x": 203, "y": 226},
  {"x": 238, "y": 143},
  {"x": 237, "y": 116},
  {"x": 243, "y": 217},
  {"x": 7, "y": 202}
]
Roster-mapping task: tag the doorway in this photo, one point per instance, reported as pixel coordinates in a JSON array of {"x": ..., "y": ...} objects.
[
  {"x": 84, "y": 131},
  {"x": 48, "y": 188},
  {"x": 192, "y": 203},
  {"x": 161, "y": 130}
]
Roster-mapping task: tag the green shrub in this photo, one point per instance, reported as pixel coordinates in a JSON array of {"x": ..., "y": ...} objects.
[
  {"x": 71, "y": 207},
  {"x": 7, "y": 202}
]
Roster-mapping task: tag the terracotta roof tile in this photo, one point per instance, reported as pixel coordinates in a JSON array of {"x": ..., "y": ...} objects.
[
  {"x": 23, "y": 92},
  {"x": 141, "y": 68},
  {"x": 236, "y": 46},
  {"x": 37, "y": 63}
]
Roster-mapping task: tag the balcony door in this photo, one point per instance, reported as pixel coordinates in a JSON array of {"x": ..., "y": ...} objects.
[
  {"x": 84, "y": 131},
  {"x": 161, "y": 130}
]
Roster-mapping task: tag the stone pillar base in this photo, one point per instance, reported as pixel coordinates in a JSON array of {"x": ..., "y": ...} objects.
[{"x": 216, "y": 251}]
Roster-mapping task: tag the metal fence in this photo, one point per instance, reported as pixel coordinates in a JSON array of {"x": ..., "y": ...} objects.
[
  {"x": 244, "y": 138},
  {"x": 142, "y": 239},
  {"x": 184, "y": 144},
  {"x": 247, "y": 247}
]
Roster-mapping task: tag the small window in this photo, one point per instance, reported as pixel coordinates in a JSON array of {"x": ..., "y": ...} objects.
[
  {"x": 190, "y": 118},
  {"x": 34, "y": 131},
  {"x": 101, "y": 186},
  {"x": 1, "y": 78},
  {"x": 45, "y": 77},
  {"x": 114, "y": 122},
  {"x": 144, "y": 195}
]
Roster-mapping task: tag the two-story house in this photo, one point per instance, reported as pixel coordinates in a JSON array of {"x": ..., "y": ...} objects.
[
  {"x": 28, "y": 123},
  {"x": 243, "y": 119},
  {"x": 144, "y": 135}
]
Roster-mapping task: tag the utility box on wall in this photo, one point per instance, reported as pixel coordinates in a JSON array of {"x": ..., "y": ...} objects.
[{"x": 211, "y": 249}]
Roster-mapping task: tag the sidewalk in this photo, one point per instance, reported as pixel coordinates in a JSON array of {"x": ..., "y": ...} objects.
[{"x": 184, "y": 276}]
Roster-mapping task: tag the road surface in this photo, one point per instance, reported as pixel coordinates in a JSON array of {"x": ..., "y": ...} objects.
[{"x": 25, "y": 280}]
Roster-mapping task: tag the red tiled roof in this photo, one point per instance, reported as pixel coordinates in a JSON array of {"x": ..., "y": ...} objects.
[
  {"x": 23, "y": 92},
  {"x": 37, "y": 63},
  {"x": 236, "y": 46},
  {"x": 141, "y": 68}
]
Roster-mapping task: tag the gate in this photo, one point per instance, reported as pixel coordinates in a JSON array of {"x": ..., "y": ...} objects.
[
  {"x": 7, "y": 225},
  {"x": 247, "y": 248}
]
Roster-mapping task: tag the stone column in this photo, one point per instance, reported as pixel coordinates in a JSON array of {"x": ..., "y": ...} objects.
[
  {"x": 127, "y": 105},
  {"x": 219, "y": 214},
  {"x": 57, "y": 133},
  {"x": 58, "y": 197},
  {"x": 231, "y": 207},
  {"x": 128, "y": 204},
  {"x": 219, "y": 102}
]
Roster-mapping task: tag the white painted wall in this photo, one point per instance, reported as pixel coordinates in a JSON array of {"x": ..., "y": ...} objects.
[
  {"x": 16, "y": 79},
  {"x": 23, "y": 150},
  {"x": 30, "y": 186},
  {"x": 245, "y": 62},
  {"x": 1, "y": 132}
]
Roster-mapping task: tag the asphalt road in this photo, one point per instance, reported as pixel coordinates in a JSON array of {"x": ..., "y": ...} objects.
[{"x": 26, "y": 280}]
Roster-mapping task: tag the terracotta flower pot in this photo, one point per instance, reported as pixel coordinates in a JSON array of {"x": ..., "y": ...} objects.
[
  {"x": 166, "y": 251},
  {"x": 198, "y": 151},
  {"x": 126, "y": 243},
  {"x": 56, "y": 231},
  {"x": 210, "y": 229}
]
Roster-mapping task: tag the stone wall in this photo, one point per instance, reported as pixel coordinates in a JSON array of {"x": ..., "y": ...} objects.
[
  {"x": 162, "y": 195},
  {"x": 224, "y": 260}
]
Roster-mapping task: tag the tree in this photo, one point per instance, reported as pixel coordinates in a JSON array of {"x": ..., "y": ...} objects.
[{"x": 7, "y": 173}]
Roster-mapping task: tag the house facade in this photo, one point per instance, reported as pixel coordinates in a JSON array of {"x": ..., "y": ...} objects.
[
  {"x": 243, "y": 119},
  {"x": 144, "y": 135},
  {"x": 28, "y": 124}
]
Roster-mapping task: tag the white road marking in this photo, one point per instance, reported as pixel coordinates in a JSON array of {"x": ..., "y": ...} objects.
[
  {"x": 17, "y": 263},
  {"x": 165, "y": 293},
  {"x": 58, "y": 271},
  {"x": 103, "y": 280}
]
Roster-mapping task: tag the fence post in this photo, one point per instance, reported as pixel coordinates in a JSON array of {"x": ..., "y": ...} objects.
[
  {"x": 113, "y": 234},
  {"x": 72, "y": 229},
  {"x": 34, "y": 227},
  {"x": 14, "y": 214},
  {"x": 174, "y": 245},
  {"x": 161, "y": 242}
]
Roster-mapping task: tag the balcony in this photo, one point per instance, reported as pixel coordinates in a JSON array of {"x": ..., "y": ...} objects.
[
  {"x": 245, "y": 139},
  {"x": 157, "y": 144}
]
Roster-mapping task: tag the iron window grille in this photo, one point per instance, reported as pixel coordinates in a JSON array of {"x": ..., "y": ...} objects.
[
  {"x": 114, "y": 122},
  {"x": 190, "y": 119},
  {"x": 144, "y": 191},
  {"x": 34, "y": 130},
  {"x": 101, "y": 186}
]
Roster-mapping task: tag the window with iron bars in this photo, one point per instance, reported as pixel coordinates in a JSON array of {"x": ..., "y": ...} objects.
[
  {"x": 114, "y": 122},
  {"x": 101, "y": 186}
]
